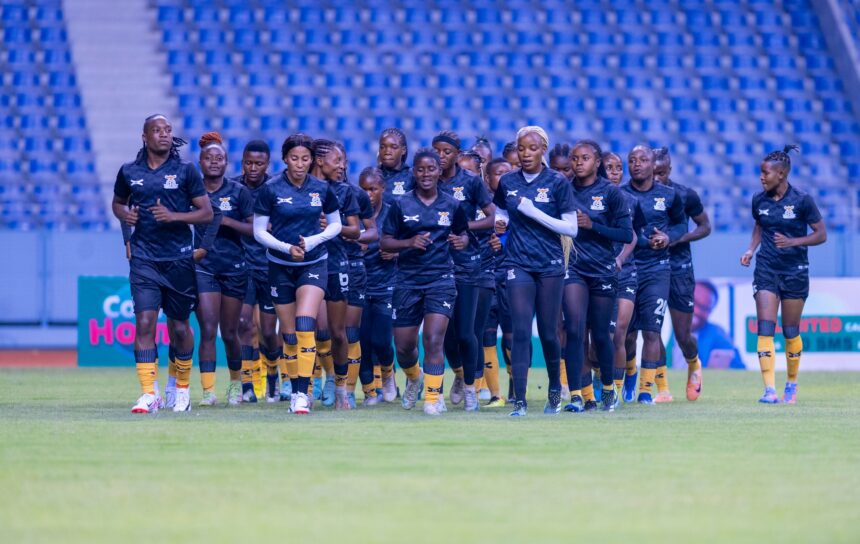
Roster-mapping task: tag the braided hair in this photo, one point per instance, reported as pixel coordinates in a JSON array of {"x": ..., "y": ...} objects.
[
  {"x": 448, "y": 137},
  {"x": 782, "y": 156},
  {"x": 483, "y": 141},
  {"x": 401, "y": 139},
  {"x": 559, "y": 150},
  {"x": 510, "y": 147},
  {"x": 174, "y": 146},
  {"x": 321, "y": 147},
  {"x": 371, "y": 173}
]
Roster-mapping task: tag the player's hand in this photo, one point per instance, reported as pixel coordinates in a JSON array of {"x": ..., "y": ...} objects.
[
  {"x": 495, "y": 243},
  {"x": 501, "y": 227},
  {"x": 746, "y": 258},
  {"x": 782, "y": 241},
  {"x": 302, "y": 243},
  {"x": 128, "y": 250},
  {"x": 160, "y": 213},
  {"x": 420, "y": 241},
  {"x": 387, "y": 255},
  {"x": 199, "y": 254},
  {"x": 132, "y": 215},
  {"x": 525, "y": 204},
  {"x": 458, "y": 241},
  {"x": 323, "y": 221},
  {"x": 298, "y": 252},
  {"x": 362, "y": 247},
  {"x": 582, "y": 220},
  {"x": 658, "y": 239}
]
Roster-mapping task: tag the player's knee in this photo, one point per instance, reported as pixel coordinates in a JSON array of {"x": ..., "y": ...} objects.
[
  {"x": 766, "y": 327},
  {"x": 182, "y": 331},
  {"x": 145, "y": 324},
  {"x": 790, "y": 331},
  {"x": 338, "y": 336},
  {"x": 650, "y": 337}
]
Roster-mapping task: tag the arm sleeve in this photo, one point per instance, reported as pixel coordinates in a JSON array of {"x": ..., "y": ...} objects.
[
  {"x": 211, "y": 231},
  {"x": 246, "y": 203},
  {"x": 622, "y": 226},
  {"x": 693, "y": 204},
  {"x": 677, "y": 219},
  {"x": 812, "y": 214},
  {"x": 502, "y": 215},
  {"x": 262, "y": 235},
  {"x": 195, "y": 182},
  {"x": 566, "y": 225},
  {"x": 331, "y": 230},
  {"x": 120, "y": 186},
  {"x": 330, "y": 203},
  {"x": 126, "y": 232}
]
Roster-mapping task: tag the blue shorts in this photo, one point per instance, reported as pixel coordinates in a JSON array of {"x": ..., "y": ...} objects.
[
  {"x": 356, "y": 295},
  {"x": 787, "y": 286},
  {"x": 169, "y": 285},
  {"x": 628, "y": 283},
  {"x": 652, "y": 299},
  {"x": 681, "y": 288},
  {"x": 234, "y": 285},
  {"x": 597, "y": 287},
  {"x": 257, "y": 291},
  {"x": 286, "y": 280},
  {"x": 412, "y": 303}
]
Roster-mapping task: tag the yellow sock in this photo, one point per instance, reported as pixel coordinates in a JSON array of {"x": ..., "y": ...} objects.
[
  {"x": 369, "y": 390},
  {"x": 183, "y": 370},
  {"x": 248, "y": 370},
  {"x": 413, "y": 372},
  {"x": 480, "y": 384},
  {"x": 576, "y": 393},
  {"x": 793, "y": 351},
  {"x": 307, "y": 353},
  {"x": 324, "y": 357},
  {"x": 693, "y": 364},
  {"x": 377, "y": 376},
  {"x": 631, "y": 366},
  {"x": 258, "y": 377},
  {"x": 646, "y": 379},
  {"x": 273, "y": 366},
  {"x": 353, "y": 355},
  {"x": 291, "y": 361},
  {"x": 563, "y": 373},
  {"x": 146, "y": 374},
  {"x": 588, "y": 393},
  {"x": 207, "y": 380},
  {"x": 491, "y": 370},
  {"x": 766, "y": 360},
  {"x": 432, "y": 387},
  {"x": 661, "y": 379},
  {"x": 317, "y": 367}
]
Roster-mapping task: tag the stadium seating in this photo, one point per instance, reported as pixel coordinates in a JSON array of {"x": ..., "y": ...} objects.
[
  {"x": 720, "y": 82},
  {"x": 47, "y": 169}
]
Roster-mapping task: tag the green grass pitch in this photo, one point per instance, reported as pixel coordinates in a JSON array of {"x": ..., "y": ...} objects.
[{"x": 77, "y": 466}]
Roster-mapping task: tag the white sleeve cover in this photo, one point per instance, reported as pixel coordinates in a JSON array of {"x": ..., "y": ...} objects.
[
  {"x": 332, "y": 229},
  {"x": 566, "y": 225},
  {"x": 262, "y": 235}
]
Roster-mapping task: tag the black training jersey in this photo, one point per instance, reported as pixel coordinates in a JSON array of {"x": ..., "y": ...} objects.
[
  {"x": 380, "y": 273},
  {"x": 607, "y": 207},
  {"x": 397, "y": 182},
  {"x": 531, "y": 246},
  {"x": 617, "y": 247},
  {"x": 365, "y": 211},
  {"x": 658, "y": 207},
  {"x": 227, "y": 255},
  {"x": 408, "y": 217},
  {"x": 488, "y": 256},
  {"x": 255, "y": 252},
  {"x": 175, "y": 183},
  {"x": 337, "y": 246},
  {"x": 470, "y": 191},
  {"x": 295, "y": 211},
  {"x": 788, "y": 216},
  {"x": 680, "y": 254}
]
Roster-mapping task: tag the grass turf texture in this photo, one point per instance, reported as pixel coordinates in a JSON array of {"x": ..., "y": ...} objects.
[{"x": 76, "y": 465}]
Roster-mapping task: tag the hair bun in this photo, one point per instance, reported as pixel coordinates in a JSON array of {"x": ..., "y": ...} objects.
[{"x": 210, "y": 138}]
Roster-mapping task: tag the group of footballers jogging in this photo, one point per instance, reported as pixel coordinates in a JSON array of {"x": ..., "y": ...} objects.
[{"x": 321, "y": 284}]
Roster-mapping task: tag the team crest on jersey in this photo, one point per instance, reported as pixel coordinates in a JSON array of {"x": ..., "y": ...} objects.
[
  {"x": 788, "y": 213},
  {"x": 597, "y": 203},
  {"x": 458, "y": 193},
  {"x": 315, "y": 199},
  {"x": 444, "y": 219},
  {"x": 224, "y": 204},
  {"x": 660, "y": 203},
  {"x": 398, "y": 188},
  {"x": 170, "y": 182},
  {"x": 542, "y": 195},
  {"x": 512, "y": 274}
]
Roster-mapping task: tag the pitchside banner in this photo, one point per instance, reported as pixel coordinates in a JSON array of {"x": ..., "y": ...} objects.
[
  {"x": 725, "y": 324},
  {"x": 106, "y": 324}
]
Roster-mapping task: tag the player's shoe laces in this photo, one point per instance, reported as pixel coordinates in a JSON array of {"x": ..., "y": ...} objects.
[
  {"x": 328, "y": 396},
  {"x": 234, "y": 394},
  {"x": 628, "y": 391},
  {"x": 286, "y": 390},
  {"x": 470, "y": 400},
  {"x": 484, "y": 394},
  {"x": 645, "y": 398},
  {"x": 183, "y": 399},
  {"x": 694, "y": 384},
  {"x": 663, "y": 397},
  {"x": 457, "y": 390},
  {"x": 209, "y": 399},
  {"x": 495, "y": 402},
  {"x": 413, "y": 388},
  {"x": 575, "y": 405},
  {"x": 389, "y": 388},
  {"x": 341, "y": 402},
  {"x": 318, "y": 388},
  {"x": 769, "y": 396},
  {"x": 302, "y": 404},
  {"x": 146, "y": 404},
  {"x": 520, "y": 409},
  {"x": 553, "y": 402},
  {"x": 609, "y": 401},
  {"x": 590, "y": 405},
  {"x": 790, "y": 394}
]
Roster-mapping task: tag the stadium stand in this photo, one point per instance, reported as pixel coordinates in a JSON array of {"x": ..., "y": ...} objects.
[
  {"x": 46, "y": 163},
  {"x": 720, "y": 82}
]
